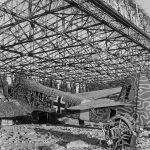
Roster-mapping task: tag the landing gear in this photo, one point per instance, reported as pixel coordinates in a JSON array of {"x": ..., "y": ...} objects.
[
  {"x": 81, "y": 122},
  {"x": 119, "y": 134}
]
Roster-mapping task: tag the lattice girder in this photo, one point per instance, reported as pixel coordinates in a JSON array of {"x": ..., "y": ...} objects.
[{"x": 74, "y": 40}]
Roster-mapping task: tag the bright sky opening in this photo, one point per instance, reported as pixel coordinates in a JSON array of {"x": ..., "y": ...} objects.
[{"x": 145, "y": 4}]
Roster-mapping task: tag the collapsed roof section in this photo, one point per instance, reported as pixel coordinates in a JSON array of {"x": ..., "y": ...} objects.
[{"x": 72, "y": 39}]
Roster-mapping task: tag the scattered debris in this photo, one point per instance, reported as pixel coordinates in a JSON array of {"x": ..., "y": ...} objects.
[{"x": 43, "y": 137}]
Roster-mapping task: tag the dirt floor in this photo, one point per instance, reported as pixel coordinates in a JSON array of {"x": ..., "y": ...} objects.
[{"x": 57, "y": 137}]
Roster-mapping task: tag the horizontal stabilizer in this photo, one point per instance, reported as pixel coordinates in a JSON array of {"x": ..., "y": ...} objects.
[
  {"x": 98, "y": 104},
  {"x": 95, "y": 95}
]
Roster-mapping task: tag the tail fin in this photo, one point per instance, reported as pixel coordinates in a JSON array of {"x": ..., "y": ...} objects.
[
  {"x": 129, "y": 94},
  {"x": 136, "y": 91},
  {"x": 143, "y": 102}
]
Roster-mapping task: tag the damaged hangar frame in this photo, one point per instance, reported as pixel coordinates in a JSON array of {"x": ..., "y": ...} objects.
[{"x": 75, "y": 40}]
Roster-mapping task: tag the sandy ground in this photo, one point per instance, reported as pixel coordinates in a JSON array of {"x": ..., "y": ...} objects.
[{"x": 57, "y": 137}]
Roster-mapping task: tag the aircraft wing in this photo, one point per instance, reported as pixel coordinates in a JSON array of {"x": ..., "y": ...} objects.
[
  {"x": 95, "y": 95},
  {"x": 98, "y": 104}
]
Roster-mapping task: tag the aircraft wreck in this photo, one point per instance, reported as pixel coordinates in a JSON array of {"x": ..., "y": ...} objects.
[{"x": 124, "y": 114}]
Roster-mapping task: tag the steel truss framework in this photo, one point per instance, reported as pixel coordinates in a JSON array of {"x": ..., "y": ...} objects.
[{"x": 81, "y": 40}]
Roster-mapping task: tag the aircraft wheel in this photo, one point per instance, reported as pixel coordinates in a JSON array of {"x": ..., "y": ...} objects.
[
  {"x": 120, "y": 134},
  {"x": 122, "y": 140}
]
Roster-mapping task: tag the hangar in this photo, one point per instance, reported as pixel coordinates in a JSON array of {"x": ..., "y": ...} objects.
[{"x": 73, "y": 40}]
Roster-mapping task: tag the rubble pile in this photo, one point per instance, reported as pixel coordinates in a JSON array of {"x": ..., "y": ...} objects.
[
  {"x": 58, "y": 137},
  {"x": 143, "y": 142},
  {"x": 48, "y": 137}
]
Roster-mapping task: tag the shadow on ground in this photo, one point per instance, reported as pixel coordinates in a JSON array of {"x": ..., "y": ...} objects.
[
  {"x": 44, "y": 148},
  {"x": 67, "y": 136}
]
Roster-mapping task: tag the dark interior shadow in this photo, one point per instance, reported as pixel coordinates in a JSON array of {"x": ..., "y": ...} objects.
[{"x": 44, "y": 148}]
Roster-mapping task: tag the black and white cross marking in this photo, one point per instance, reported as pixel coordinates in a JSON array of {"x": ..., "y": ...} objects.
[{"x": 59, "y": 104}]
